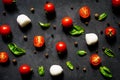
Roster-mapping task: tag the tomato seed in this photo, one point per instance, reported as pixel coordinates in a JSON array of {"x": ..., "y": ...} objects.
[
  {"x": 46, "y": 55},
  {"x": 54, "y": 26},
  {"x": 25, "y": 37},
  {"x": 14, "y": 61},
  {"x": 76, "y": 43},
  {"x": 84, "y": 69},
  {"x": 32, "y": 10},
  {"x": 96, "y": 15},
  {"x": 34, "y": 51}
]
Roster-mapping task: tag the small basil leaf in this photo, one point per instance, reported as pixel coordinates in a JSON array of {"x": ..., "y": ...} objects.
[
  {"x": 69, "y": 65},
  {"x": 41, "y": 71},
  {"x": 109, "y": 52},
  {"x": 16, "y": 50},
  {"x": 76, "y": 30},
  {"x": 44, "y": 25},
  {"x": 102, "y": 16},
  {"x": 81, "y": 52}
]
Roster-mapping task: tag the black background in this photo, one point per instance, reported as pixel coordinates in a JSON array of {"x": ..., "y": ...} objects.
[{"x": 63, "y": 8}]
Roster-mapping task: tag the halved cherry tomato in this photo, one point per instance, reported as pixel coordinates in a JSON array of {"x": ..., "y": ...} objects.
[
  {"x": 110, "y": 31},
  {"x": 84, "y": 12},
  {"x": 67, "y": 22},
  {"x": 5, "y": 29},
  {"x": 49, "y": 7},
  {"x": 116, "y": 3},
  {"x": 24, "y": 69},
  {"x": 61, "y": 47},
  {"x": 7, "y": 2},
  {"x": 95, "y": 59},
  {"x": 38, "y": 41},
  {"x": 3, "y": 57}
]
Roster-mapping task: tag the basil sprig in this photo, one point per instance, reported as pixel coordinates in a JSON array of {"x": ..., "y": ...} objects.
[
  {"x": 41, "y": 70},
  {"x": 109, "y": 52},
  {"x": 44, "y": 25},
  {"x": 15, "y": 49},
  {"x": 81, "y": 52},
  {"x": 69, "y": 65},
  {"x": 76, "y": 30}
]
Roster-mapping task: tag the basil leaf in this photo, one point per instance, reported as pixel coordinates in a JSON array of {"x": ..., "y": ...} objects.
[
  {"x": 109, "y": 52},
  {"x": 102, "y": 16},
  {"x": 41, "y": 71},
  {"x": 16, "y": 50},
  {"x": 81, "y": 52},
  {"x": 76, "y": 30},
  {"x": 105, "y": 71},
  {"x": 44, "y": 25},
  {"x": 69, "y": 65}
]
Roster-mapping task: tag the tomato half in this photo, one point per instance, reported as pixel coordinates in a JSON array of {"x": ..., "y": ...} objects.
[
  {"x": 49, "y": 7},
  {"x": 5, "y": 29},
  {"x": 61, "y": 47},
  {"x": 7, "y": 2},
  {"x": 95, "y": 59},
  {"x": 116, "y": 3},
  {"x": 110, "y": 31},
  {"x": 24, "y": 69},
  {"x": 3, "y": 57},
  {"x": 38, "y": 41},
  {"x": 84, "y": 12},
  {"x": 67, "y": 22}
]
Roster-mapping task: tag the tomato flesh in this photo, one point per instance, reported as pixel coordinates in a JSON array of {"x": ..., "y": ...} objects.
[
  {"x": 49, "y": 7},
  {"x": 61, "y": 47},
  {"x": 24, "y": 69},
  {"x": 116, "y": 3},
  {"x": 5, "y": 29},
  {"x": 95, "y": 60},
  {"x": 3, "y": 57},
  {"x": 67, "y": 22}
]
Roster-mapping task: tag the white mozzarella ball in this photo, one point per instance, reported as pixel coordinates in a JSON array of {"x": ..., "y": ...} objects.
[
  {"x": 56, "y": 70},
  {"x": 91, "y": 38},
  {"x": 23, "y": 20}
]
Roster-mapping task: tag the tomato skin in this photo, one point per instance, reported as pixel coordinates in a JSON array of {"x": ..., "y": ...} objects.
[
  {"x": 7, "y": 2},
  {"x": 110, "y": 31},
  {"x": 67, "y": 22},
  {"x": 3, "y": 57},
  {"x": 5, "y": 29},
  {"x": 49, "y": 7},
  {"x": 84, "y": 12},
  {"x": 38, "y": 41},
  {"x": 24, "y": 69},
  {"x": 95, "y": 59},
  {"x": 116, "y": 3},
  {"x": 61, "y": 47}
]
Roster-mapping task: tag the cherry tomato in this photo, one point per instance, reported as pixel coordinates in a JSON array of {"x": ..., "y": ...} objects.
[
  {"x": 7, "y": 2},
  {"x": 95, "y": 59},
  {"x": 67, "y": 22},
  {"x": 5, "y": 29},
  {"x": 116, "y": 3},
  {"x": 3, "y": 57},
  {"x": 61, "y": 47},
  {"x": 49, "y": 7},
  {"x": 84, "y": 12},
  {"x": 24, "y": 69},
  {"x": 38, "y": 41},
  {"x": 110, "y": 31}
]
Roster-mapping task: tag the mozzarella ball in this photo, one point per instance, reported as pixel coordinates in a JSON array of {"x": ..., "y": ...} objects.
[
  {"x": 56, "y": 70},
  {"x": 23, "y": 20},
  {"x": 91, "y": 38}
]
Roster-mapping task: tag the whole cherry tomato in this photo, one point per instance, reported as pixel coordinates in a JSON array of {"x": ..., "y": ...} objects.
[
  {"x": 67, "y": 22},
  {"x": 7, "y": 2},
  {"x": 61, "y": 47},
  {"x": 3, "y": 57},
  {"x": 24, "y": 69},
  {"x": 84, "y": 12},
  {"x": 49, "y": 7},
  {"x": 95, "y": 59},
  {"x": 38, "y": 41},
  {"x": 116, "y": 3},
  {"x": 110, "y": 31},
  {"x": 5, "y": 29}
]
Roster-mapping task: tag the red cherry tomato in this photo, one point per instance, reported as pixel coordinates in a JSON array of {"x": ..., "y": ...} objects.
[
  {"x": 7, "y": 2},
  {"x": 3, "y": 57},
  {"x": 61, "y": 47},
  {"x": 5, "y": 29},
  {"x": 95, "y": 59},
  {"x": 49, "y": 7},
  {"x": 110, "y": 31},
  {"x": 84, "y": 12},
  {"x": 67, "y": 22},
  {"x": 116, "y": 3},
  {"x": 38, "y": 41},
  {"x": 24, "y": 69}
]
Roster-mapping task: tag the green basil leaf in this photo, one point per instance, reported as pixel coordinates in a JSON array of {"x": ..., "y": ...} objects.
[
  {"x": 81, "y": 52},
  {"x": 105, "y": 71},
  {"x": 109, "y": 52},
  {"x": 102, "y": 16},
  {"x": 41, "y": 70},
  {"x": 44, "y": 25},
  {"x": 76, "y": 30},
  {"x": 16, "y": 50},
  {"x": 69, "y": 65}
]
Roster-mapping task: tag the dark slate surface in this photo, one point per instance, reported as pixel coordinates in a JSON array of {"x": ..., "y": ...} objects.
[{"x": 63, "y": 8}]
